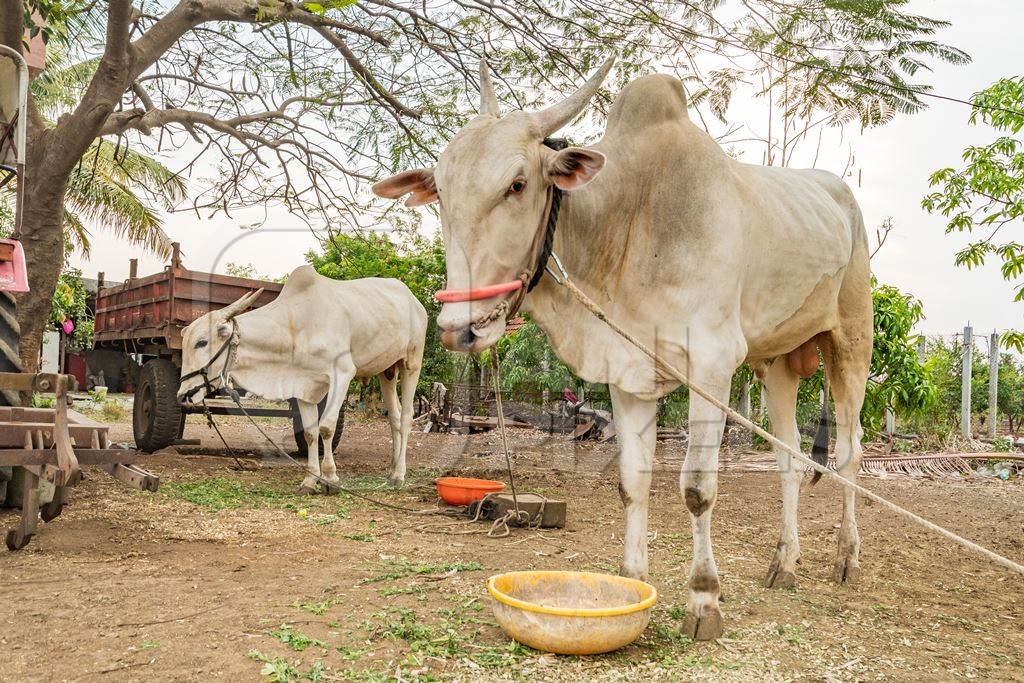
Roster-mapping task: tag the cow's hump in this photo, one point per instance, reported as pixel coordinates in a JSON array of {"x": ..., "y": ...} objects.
[
  {"x": 648, "y": 101},
  {"x": 300, "y": 281}
]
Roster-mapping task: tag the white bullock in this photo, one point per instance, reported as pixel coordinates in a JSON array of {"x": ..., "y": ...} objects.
[
  {"x": 709, "y": 261},
  {"x": 309, "y": 343}
]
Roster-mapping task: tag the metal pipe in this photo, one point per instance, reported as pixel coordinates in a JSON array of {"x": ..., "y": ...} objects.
[
  {"x": 965, "y": 384},
  {"x": 993, "y": 384},
  {"x": 21, "y": 133}
]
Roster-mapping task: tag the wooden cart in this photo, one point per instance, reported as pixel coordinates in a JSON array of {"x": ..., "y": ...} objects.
[{"x": 46, "y": 447}]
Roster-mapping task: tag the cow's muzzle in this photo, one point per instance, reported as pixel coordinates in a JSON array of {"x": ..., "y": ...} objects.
[{"x": 463, "y": 329}]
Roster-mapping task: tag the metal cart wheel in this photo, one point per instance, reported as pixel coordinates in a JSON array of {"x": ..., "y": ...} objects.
[{"x": 157, "y": 417}]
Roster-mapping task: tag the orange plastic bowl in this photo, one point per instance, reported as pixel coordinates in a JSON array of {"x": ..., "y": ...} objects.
[{"x": 463, "y": 490}]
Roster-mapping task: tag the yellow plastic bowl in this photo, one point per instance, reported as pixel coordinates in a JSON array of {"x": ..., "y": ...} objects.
[{"x": 571, "y": 613}]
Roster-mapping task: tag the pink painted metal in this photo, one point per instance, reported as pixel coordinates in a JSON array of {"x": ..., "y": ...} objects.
[
  {"x": 13, "y": 276},
  {"x": 449, "y": 296}
]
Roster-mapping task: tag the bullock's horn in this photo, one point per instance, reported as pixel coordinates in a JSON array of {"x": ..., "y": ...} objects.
[
  {"x": 488, "y": 100},
  {"x": 557, "y": 115},
  {"x": 239, "y": 306}
]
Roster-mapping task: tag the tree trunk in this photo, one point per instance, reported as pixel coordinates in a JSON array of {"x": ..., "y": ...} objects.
[{"x": 42, "y": 237}]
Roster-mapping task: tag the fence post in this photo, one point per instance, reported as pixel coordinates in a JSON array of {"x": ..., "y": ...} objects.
[
  {"x": 965, "y": 387},
  {"x": 993, "y": 383}
]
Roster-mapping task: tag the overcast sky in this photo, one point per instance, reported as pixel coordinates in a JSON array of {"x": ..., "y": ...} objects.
[{"x": 894, "y": 160}]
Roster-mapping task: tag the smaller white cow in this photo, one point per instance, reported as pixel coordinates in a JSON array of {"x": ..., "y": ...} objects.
[{"x": 310, "y": 342}]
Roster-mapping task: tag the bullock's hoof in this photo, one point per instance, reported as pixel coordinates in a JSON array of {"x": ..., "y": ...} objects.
[
  {"x": 396, "y": 482},
  {"x": 639, "y": 573},
  {"x": 778, "y": 577},
  {"x": 307, "y": 489},
  {"x": 703, "y": 624},
  {"x": 332, "y": 488},
  {"x": 847, "y": 570}
]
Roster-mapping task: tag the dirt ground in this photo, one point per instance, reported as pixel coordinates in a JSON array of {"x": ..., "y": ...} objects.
[{"x": 225, "y": 574}]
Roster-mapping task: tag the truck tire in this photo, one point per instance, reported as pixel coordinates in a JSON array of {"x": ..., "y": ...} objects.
[
  {"x": 10, "y": 361},
  {"x": 300, "y": 440},
  {"x": 156, "y": 418}
]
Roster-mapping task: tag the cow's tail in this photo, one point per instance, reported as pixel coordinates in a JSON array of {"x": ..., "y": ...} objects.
[{"x": 819, "y": 451}]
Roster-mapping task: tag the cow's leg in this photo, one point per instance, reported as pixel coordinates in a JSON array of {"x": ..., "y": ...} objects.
[
  {"x": 699, "y": 483},
  {"x": 636, "y": 427},
  {"x": 847, "y": 361},
  {"x": 329, "y": 422},
  {"x": 311, "y": 431},
  {"x": 389, "y": 392},
  {"x": 409, "y": 377},
  {"x": 847, "y": 353},
  {"x": 782, "y": 385}
]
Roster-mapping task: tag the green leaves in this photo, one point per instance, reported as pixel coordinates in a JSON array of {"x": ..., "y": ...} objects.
[
  {"x": 987, "y": 192},
  {"x": 322, "y": 8},
  {"x": 899, "y": 381}
]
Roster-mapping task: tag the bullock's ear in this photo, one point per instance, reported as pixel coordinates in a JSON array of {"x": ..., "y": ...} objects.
[
  {"x": 418, "y": 183},
  {"x": 223, "y": 330},
  {"x": 574, "y": 167}
]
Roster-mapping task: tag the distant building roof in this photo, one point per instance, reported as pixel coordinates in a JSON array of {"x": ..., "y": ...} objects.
[{"x": 513, "y": 325}]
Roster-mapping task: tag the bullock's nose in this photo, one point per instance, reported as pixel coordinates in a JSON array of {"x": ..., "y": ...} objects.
[{"x": 460, "y": 339}]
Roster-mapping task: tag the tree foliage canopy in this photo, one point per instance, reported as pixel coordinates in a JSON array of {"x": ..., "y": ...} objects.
[
  {"x": 986, "y": 193},
  {"x": 291, "y": 94},
  {"x": 898, "y": 380}
]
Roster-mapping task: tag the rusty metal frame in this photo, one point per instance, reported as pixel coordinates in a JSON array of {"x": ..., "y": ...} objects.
[{"x": 152, "y": 311}]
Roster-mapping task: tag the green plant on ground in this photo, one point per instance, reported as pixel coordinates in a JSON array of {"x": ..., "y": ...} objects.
[
  {"x": 279, "y": 670},
  {"x": 397, "y": 568},
  {"x": 1002, "y": 444},
  {"x": 295, "y": 640},
  {"x": 226, "y": 493},
  {"x": 113, "y": 411},
  {"x": 40, "y": 401},
  {"x": 318, "y": 608},
  {"x": 363, "y": 538}
]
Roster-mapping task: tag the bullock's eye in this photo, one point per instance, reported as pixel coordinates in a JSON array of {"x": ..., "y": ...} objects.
[
  {"x": 517, "y": 186},
  {"x": 201, "y": 343}
]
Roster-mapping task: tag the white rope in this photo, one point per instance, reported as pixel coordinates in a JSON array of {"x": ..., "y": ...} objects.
[{"x": 563, "y": 279}]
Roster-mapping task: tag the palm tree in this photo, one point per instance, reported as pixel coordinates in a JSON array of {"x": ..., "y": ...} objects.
[{"x": 114, "y": 187}]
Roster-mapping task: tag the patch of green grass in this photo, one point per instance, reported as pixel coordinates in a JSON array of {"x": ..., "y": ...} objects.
[
  {"x": 279, "y": 670},
  {"x": 451, "y": 635},
  {"x": 885, "y": 610},
  {"x": 791, "y": 634},
  {"x": 363, "y": 538},
  {"x": 150, "y": 644},
  {"x": 398, "y": 568},
  {"x": 317, "y": 608},
  {"x": 350, "y": 654},
  {"x": 324, "y": 520},
  {"x": 113, "y": 411},
  {"x": 227, "y": 493},
  {"x": 296, "y": 640},
  {"x": 389, "y": 591}
]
